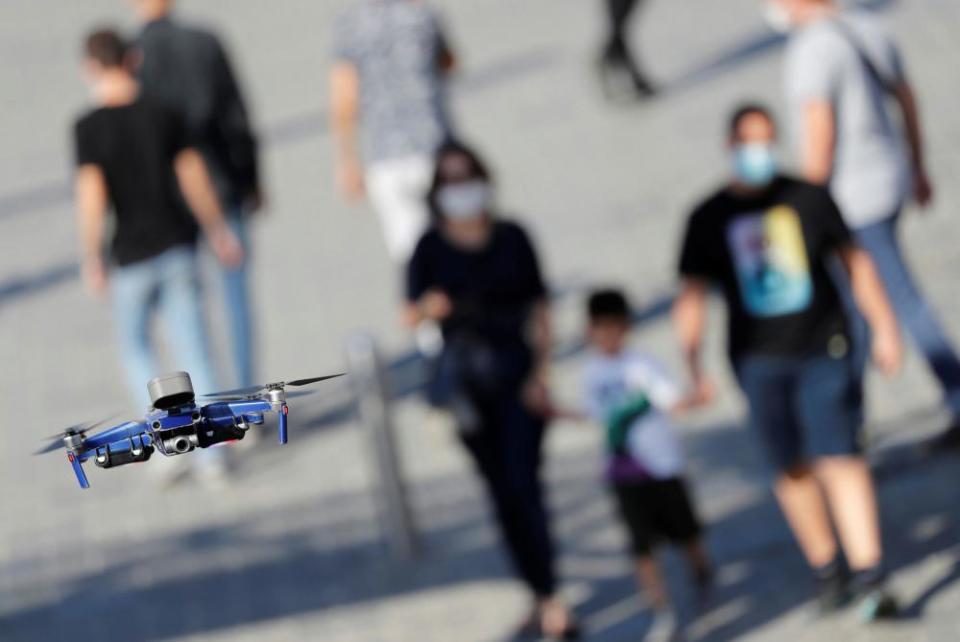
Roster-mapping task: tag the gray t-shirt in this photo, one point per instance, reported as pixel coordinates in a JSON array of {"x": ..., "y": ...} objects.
[
  {"x": 870, "y": 173},
  {"x": 396, "y": 46}
]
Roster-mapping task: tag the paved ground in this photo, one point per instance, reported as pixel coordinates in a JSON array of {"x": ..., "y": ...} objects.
[{"x": 292, "y": 552}]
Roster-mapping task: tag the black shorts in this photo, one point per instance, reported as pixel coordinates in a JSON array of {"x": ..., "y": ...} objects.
[{"x": 656, "y": 510}]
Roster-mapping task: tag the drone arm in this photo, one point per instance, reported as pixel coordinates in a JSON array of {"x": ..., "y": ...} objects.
[{"x": 78, "y": 469}]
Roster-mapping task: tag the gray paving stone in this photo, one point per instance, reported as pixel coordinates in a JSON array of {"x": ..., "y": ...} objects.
[{"x": 292, "y": 551}]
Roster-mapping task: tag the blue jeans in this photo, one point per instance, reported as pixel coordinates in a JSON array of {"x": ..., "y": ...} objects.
[
  {"x": 914, "y": 313},
  {"x": 168, "y": 283},
  {"x": 236, "y": 292}
]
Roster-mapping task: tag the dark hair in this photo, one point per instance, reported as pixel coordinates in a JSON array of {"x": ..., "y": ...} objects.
[
  {"x": 475, "y": 169},
  {"x": 608, "y": 304},
  {"x": 107, "y": 47},
  {"x": 748, "y": 109}
]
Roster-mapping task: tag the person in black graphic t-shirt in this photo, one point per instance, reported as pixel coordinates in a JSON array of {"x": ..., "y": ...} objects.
[
  {"x": 133, "y": 157},
  {"x": 767, "y": 241}
]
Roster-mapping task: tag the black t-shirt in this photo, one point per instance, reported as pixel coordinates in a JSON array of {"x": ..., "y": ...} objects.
[
  {"x": 134, "y": 146},
  {"x": 770, "y": 255},
  {"x": 492, "y": 289}
]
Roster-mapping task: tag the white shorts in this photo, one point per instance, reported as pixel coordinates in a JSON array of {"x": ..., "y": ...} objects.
[{"x": 397, "y": 189}]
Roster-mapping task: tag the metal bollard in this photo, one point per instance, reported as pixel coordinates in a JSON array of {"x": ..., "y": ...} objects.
[{"x": 372, "y": 394}]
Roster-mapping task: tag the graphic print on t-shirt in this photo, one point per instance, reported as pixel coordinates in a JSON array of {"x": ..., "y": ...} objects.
[{"x": 771, "y": 263}]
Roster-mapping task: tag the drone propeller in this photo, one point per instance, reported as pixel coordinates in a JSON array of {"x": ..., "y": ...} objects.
[
  {"x": 76, "y": 429},
  {"x": 238, "y": 394},
  {"x": 296, "y": 394}
]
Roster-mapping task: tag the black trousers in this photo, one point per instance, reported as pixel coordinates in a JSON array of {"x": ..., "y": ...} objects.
[{"x": 507, "y": 452}]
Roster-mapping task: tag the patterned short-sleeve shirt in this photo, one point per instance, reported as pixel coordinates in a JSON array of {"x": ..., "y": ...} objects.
[{"x": 396, "y": 47}]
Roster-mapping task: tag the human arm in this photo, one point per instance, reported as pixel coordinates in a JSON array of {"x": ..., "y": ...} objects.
[
  {"x": 818, "y": 140},
  {"x": 344, "y": 114},
  {"x": 536, "y": 392},
  {"x": 813, "y": 71},
  {"x": 871, "y": 299},
  {"x": 689, "y": 323},
  {"x": 923, "y": 191},
  {"x": 92, "y": 201},
  {"x": 201, "y": 198}
]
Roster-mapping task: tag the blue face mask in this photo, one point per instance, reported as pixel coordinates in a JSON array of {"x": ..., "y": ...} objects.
[{"x": 754, "y": 164}]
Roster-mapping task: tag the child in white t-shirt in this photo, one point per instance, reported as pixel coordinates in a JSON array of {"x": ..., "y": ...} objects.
[{"x": 632, "y": 396}]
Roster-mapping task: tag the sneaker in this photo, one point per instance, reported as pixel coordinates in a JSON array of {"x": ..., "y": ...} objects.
[
  {"x": 877, "y": 604},
  {"x": 833, "y": 591},
  {"x": 621, "y": 83},
  {"x": 873, "y": 600}
]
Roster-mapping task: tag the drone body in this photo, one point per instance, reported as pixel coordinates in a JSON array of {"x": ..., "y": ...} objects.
[{"x": 176, "y": 424}]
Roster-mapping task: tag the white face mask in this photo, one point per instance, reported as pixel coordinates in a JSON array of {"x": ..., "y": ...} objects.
[
  {"x": 465, "y": 200},
  {"x": 777, "y": 17}
]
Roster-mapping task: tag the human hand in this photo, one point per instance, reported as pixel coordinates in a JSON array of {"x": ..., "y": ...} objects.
[
  {"x": 435, "y": 305},
  {"x": 94, "y": 275},
  {"x": 922, "y": 188},
  {"x": 258, "y": 200},
  {"x": 704, "y": 390},
  {"x": 702, "y": 393},
  {"x": 536, "y": 396},
  {"x": 226, "y": 247},
  {"x": 887, "y": 350},
  {"x": 350, "y": 180}
]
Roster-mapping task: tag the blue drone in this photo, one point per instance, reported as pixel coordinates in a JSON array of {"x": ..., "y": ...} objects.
[{"x": 176, "y": 424}]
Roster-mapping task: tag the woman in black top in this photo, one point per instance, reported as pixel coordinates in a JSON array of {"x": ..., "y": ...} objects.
[{"x": 479, "y": 278}]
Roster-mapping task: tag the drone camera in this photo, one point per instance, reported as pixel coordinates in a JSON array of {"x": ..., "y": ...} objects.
[{"x": 179, "y": 445}]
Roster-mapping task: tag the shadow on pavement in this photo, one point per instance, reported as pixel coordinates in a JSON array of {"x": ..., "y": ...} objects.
[{"x": 317, "y": 557}]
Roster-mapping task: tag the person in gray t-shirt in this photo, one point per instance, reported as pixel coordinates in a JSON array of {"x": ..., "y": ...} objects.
[
  {"x": 391, "y": 58},
  {"x": 843, "y": 71}
]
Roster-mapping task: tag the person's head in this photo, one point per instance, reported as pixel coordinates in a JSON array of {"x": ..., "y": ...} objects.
[
  {"x": 608, "y": 315},
  {"x": 461, "y": 196},
  {"x": 784, "y": 15},
  {"x": 149, "y": 10},
  {"x": 752, "y": 137},
  {"x": 105, "y": 56}
]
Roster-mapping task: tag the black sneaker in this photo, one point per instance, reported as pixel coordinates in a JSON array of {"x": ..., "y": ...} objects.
[
  {"x": 621, "y": 83},
  {"x": 873, "y": 600},
  {"x": 833, "y": 591},
  {"x": 877, "y": 604}
]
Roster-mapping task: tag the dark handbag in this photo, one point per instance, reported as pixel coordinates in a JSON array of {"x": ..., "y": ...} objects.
[
  {"x": 467, "y": 363},
  {"x": 467, "y": 376}
]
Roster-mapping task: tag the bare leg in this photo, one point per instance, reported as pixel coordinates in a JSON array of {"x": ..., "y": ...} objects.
[
  {"x": 803, "y": 505},
  {"x": 697, "y": 557},
  {"x": 651, "y": 581},
  {"x": 853, "y": 503}
]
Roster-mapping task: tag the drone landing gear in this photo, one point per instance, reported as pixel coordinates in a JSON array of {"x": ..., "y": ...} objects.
[
  {"x": 78, "y": 470},
  {"x": 282, "y": 423}
]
